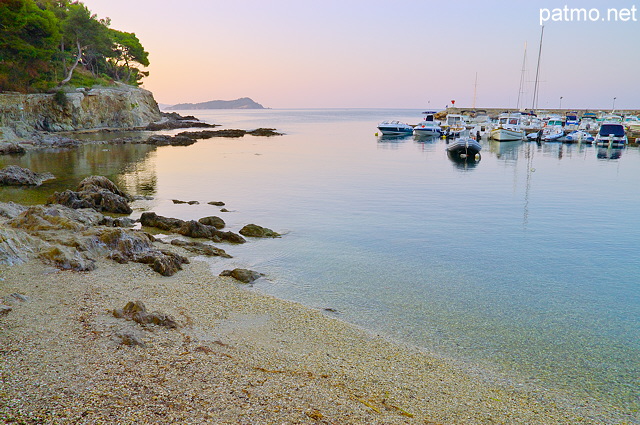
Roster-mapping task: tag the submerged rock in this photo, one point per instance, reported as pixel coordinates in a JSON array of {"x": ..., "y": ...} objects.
[
  {"x": 255, "y": 231},
  {"x": 12, "y": 175},
  {"x": 243, "y": 275},
  {"x": 201, "y": 248}
]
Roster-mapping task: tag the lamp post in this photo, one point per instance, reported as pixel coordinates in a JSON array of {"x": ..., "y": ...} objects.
[
  {"x": 560, "y": 102},
  {"x": 613, "y": 108}
]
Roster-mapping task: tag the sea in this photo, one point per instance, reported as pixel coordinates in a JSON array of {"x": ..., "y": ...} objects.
[{"x": 524, "y": 264}]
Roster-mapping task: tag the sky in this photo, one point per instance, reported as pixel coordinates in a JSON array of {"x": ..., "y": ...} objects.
[{"x": 386, "y": 54}]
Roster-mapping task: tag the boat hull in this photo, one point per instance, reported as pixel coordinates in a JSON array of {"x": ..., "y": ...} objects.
[
  {"x": 504, "y": 135},
  {"x": 464, "y": 148}
]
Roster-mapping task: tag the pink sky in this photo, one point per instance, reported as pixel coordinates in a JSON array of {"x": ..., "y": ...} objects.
[{"x": 378, "y": 54}]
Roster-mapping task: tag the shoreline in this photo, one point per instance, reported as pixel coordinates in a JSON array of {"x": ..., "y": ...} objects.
[{"x": 237, "y": 356}]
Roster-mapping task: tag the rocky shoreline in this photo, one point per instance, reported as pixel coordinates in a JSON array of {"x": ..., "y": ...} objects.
[
  {"x": 104, "y": 323},
  {"x": 101, "y": 322}
]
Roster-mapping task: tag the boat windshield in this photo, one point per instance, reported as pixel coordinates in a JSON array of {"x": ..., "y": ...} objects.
[
  {"x": 616, "y": 129},
  {"x": 554, "y": 122}
]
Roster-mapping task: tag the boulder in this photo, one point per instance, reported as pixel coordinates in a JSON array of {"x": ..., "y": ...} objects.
[
  {"x": 216, "y": 203},
  {"x": 66, "y": 258},
  {"x": 11, "y": 209},
  {"x": 96, "y": 192},
  {"x": 137, "y": 312},
  {"x": 12, "y": 175},
  {"x": 11, "y": 149},
  {"x": 214, "y": 221},
  {"x": 151, "y": 219},
  {"x": 243, "y": 275},
  {"x": 255, "y": 231}
]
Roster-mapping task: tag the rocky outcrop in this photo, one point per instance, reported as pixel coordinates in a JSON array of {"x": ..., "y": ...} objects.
[
  {"x": 255, "y": 231},
  {"x": 71, "y": 239},
  {"x": 12, "y": 175},
  {"x": 191, "y": 228},
  {"x": 118, "y": 106},
  {"x": 96, "y": 192},
  {"x": 173, "y": 120},
  {"x": 187, "y": 138},
  {"x": 201, "y": 248}
]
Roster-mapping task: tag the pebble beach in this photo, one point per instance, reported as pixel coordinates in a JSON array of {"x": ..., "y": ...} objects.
[{"x": 235, "y": 357}]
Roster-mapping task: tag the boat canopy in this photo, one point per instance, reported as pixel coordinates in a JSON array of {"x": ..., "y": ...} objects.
[{"x": 616, "y": 129}]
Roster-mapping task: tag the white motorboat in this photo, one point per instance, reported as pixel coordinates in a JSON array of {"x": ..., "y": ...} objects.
[
  {"x": 571, "y": 121},
  {"x": 508, "y": 128},
  {"x": 454, "y": 125},
  {"x": 428, "y": 127},
  {"x": 579, "y": 136},
  {"x": 394, "y": 128},
  {"x": 632, "y": 123},
  {"x": 588, "y": 122},
  {"x": 553, "y": 131},
  {"x": 611, "y": 133}
]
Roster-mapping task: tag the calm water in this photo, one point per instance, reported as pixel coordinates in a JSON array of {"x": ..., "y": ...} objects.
[{"x": 527, "y": 263}]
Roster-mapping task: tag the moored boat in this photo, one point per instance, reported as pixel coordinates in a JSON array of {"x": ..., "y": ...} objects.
[
  {"x": 394, "y": 128},
  {"x": 579, "y": 136},
  {"x": 508, "y": 128},
  {"x": 428, "y": 127},
  {"x": 464, "y": 148},
  {"x": 553, "y": 131},
  {"x": 611, "y": 133}
]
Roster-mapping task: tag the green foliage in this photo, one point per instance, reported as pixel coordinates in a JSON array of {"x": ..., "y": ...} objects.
[
  {"x": 60, "y": 98},
  {"x": 41, "y": 41}
]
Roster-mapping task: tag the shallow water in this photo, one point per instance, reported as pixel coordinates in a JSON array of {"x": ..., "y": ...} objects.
[{"x": 526, "y": 262}]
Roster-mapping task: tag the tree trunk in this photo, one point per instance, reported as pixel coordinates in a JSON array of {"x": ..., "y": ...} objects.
[{"x": 78, "y": 58}]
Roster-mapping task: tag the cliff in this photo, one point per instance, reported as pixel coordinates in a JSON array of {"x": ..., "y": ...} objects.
[
  {"x": 118, "y": 106},
  {"x": 242, "y": 103}
]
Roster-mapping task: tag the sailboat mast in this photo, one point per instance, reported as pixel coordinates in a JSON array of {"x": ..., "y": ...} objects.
[
  {"x": 535, "y": 89},
  {"x": 522, "y": 77},
  {"x": 475, "y": 90}
]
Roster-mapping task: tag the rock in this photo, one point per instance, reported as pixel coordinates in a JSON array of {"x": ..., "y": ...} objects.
[
  {"x": 66, "y": 258},
  {"x": 200, "y": 248},
  {"x": 11, "y": 209},
  {"x": 224, "y": 210},
  {"x": 166, "y": 263},
  {"x": 255, "y": 231},
  {"x": 151, "y": 219},
  {"x": 11, "y": 149},
  {"x": 243, "y": 275},
  {"x": 96, "y": 192},
  {"x": 17, "y": 246},
  {"x": 176, "y": 201},
  {"x": 216, "y": 203},
  {"x": 137, "y": 312},
  {"x": 4, "y": 309},
  {"x": 15, "y": 298},
  {"x": 12, "y": 175},
  {"x": 131, "y": 338},
  {"x": 214, "y": 221},
  {"x": 265, "y": 132},
  {"x": 117, "y": 222},
  {"x": 55, "y": 217},
  {"x": 195, "y": 229},
  {"x": 115, "y": 106}
]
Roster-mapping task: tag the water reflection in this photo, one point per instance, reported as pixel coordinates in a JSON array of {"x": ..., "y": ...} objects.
[
  {"x": 467, "y": 163},
  {"x": 507, "y": 151},
  {"x": 391, "y": 141},
  {"x": 609, "y": 153},
  {"x": 128, "y": 165}
]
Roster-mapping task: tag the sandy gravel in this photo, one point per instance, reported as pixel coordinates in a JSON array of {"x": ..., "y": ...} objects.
[{"x": 237, "y": 357}]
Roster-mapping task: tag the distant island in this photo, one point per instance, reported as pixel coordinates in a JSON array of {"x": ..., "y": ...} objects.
[{"x": 242, "y": 103}]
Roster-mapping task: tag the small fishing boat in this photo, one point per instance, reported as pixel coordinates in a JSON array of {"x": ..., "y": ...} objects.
[
  {"x": 464, "y": 148},
  {"x": 394, "y": 128},
  {"x": 428, "y": 127},
  {"x": 611, "y": 133},
  {"x": 508, "y": 128}
]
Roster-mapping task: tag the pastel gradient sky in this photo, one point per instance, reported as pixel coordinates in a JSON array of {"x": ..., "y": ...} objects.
[{"x": 380, "y": 54}]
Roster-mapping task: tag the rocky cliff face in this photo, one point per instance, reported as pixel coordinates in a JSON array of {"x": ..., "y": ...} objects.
[{"x": 118, "y": 106}]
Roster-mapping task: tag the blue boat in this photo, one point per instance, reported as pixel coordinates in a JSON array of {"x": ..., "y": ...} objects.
[{"x": 394, "y": 128}]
